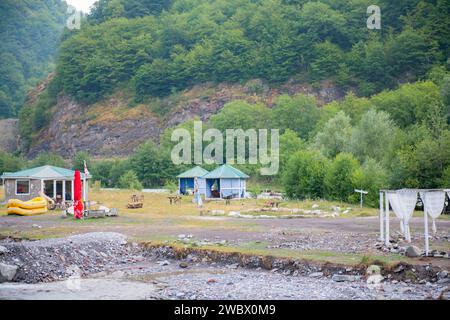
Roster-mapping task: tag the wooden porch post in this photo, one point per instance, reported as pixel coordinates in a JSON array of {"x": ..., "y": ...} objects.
[
  {"x": 64, "y": 191},
  {"x": 54, "y": 190},
  {"x": 73, "y": 194}
]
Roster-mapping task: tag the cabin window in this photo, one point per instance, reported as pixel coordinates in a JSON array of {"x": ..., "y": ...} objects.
[{"x": 22, "y": 187}]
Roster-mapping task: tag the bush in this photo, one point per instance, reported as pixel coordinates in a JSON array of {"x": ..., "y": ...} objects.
[{"x": 129, "y": 180}]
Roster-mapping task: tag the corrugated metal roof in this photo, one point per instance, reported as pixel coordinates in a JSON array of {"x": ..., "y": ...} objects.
[
  {"x": 195, "y": 172},
  {"x": 226, "y": 172},
  {"x": 44, "y": 172}
]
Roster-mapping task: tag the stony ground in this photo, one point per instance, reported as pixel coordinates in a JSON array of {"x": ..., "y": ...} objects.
[{"x": 105, "y": 266}]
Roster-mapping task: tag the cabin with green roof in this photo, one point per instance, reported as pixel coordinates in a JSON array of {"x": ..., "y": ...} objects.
[
  {"x": 187, "y": 181},
  {"x": 54, "y": 182},
  {"x": 226, "y": 182}
]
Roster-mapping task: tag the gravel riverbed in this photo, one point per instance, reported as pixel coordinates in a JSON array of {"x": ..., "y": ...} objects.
[{"x": 104, "y": 266}]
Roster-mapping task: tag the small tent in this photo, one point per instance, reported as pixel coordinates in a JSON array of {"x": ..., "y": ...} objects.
[
  {"x": 226, "y": 182},
  {"x": 187, "y": 180}
]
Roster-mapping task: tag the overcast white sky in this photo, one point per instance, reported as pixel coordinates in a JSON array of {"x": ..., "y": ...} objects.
[{"x": 81, "y": 5}]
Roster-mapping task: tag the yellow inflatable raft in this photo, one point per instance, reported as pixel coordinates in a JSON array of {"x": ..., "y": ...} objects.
[
  {"x": 26, "y": 212},
  {"x": 27, "y": 208}
]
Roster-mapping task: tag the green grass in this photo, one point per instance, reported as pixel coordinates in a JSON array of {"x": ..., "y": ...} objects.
[{"x": 260, "y": 249}]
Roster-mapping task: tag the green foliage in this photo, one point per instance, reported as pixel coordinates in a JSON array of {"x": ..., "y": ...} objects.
[
  {"x": 29, "y": 34},
  {"x": 298, "y": 113},
  {"x": 372, "y": 136},
  {"x": 129, "y": 180},
  {"x": 304, "y": 175},
  {"x": 339, "y": 177},
  {"x": 79, "y": 159},
  {"x": 242, "y": 115},
  {"x": 152, "y": 166},
  {"x": 46, "y": 158},
  {"x": 9, "y": 163},
  {"x": 166, "y": 46},
  {"x": 421, "y": 163},
  {"x": 410, "y": 103},
  {"x": 335, "y": 136},
  {"x": 290, "y": 143},
  {"x": 371, "y": 177}
]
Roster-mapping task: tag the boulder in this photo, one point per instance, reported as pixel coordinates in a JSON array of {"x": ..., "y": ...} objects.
[
  {"x": 7, "y": 272},
  {"x": 413, "y": 252}
]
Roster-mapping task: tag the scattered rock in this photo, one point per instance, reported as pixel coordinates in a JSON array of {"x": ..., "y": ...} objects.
[
  {"x": 36, "y": 226},
  {"x": 7, "y": 272},
  {"x": 3, "y": 250},
  {"x": 442, "y": 275},
  {"x": 163, "y": 263},
  {"x": 343, "y": 278},
  {"x": 413, "y": 252},
  {"x": 316, "y": 275},
  {"x": 183, "y": 265}
]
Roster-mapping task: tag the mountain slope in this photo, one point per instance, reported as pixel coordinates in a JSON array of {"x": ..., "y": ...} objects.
[{"x": 29, "y": 36}]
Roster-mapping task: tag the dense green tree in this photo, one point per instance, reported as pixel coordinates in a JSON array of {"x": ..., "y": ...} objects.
[
  {"x": 339, "y": 179},
  {"x": 29, "y": 35},
  {"x": 290, "y": 143},
  {"x": 372, "y": 136},
  {"x": 79, "y": 159},
  {"x": 152, "y": 167},
  {"x": 298, "y": 113},
  {"x": 335, "y": 136},
  {"x": 304, "y": 175},
  {"x": 9, "y": 162},
  {"x": 47, "y": 158},
  {"x": 371, "y": 177},
  {"x": 410, "y": 103},
  {"x": 241, "y": 115}
]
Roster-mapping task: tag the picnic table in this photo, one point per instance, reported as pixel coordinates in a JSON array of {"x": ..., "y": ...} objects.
[
  {"x": 272, "y": 204},
  {"x": 174, "y": 199},
  {"x": 136, "y": 202}
]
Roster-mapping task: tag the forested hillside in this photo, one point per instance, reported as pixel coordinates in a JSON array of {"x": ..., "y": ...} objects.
[
  {"x": 29, "y": 37},
  {"x": 157, "y": 52}
]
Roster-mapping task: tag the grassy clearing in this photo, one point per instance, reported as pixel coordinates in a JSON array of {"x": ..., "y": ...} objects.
[
  {"x": 260, "y": 249},
  {"x": 160, "y": 222}
]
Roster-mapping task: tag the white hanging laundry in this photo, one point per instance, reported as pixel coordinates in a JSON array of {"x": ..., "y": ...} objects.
[
  {"x": 403, "y": 204},
  {"x": 435, "y": 202}
]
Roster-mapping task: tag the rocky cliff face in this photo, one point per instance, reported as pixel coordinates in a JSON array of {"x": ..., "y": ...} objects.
[{"x": 112, "y": 128}]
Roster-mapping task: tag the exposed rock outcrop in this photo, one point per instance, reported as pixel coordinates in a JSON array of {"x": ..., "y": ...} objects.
[{"x": 113, "y": 128}]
